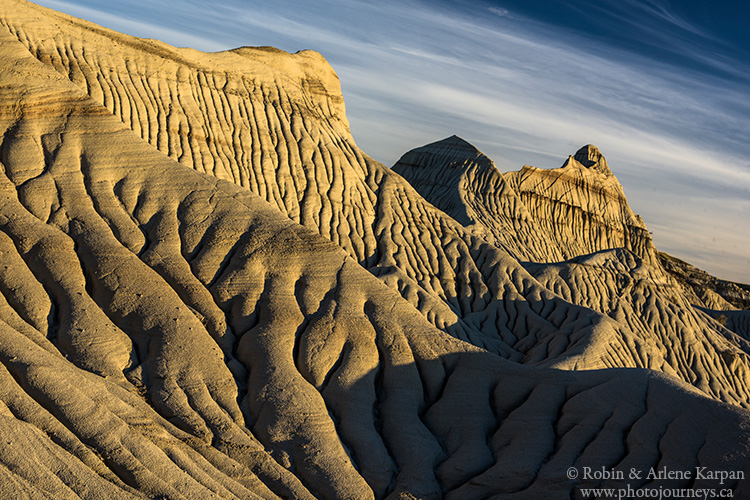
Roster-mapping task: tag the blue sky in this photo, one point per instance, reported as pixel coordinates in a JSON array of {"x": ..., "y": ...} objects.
[{"x": 661, "y": 87}]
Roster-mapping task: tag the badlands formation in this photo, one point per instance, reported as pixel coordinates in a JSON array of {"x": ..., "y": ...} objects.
[{"x": 208, "y": 291}]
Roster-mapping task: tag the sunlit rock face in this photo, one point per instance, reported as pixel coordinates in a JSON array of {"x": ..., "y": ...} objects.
[
  {"x": 535, "y": 214},
  {"x": 582, "y": 206},
  {"x": 459, "y": 179},
  {"x": 291, "y": 139},
  {"x": 208, "y": 291}
]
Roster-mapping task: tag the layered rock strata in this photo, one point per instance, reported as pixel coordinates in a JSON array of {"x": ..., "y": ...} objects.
[
  {"x": 535, "y": 214},
  {"x": 705, "y": 290}
]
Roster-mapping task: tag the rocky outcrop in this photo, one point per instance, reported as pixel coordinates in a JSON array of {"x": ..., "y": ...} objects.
[
  {"x": 264, "y": 119},
  {"x": 459, "y": 179},
  {"x": 582, "y": 206},
  {"x": 166, "y": 334},
  {"x": 649, "y": 302},
  {"x": 588, "y": 225},
  {"x": 536, "y": 215},
  {"x": 705, "y": 290},
  {"x": 462, "y": 283}
]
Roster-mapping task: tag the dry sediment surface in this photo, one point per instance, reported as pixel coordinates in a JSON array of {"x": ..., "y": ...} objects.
[
  {"x": 274, "y": 123},
  {"x": 288, "y": 141},
  {"x": 169, "y": 334},
  {"x": 537, "y": 215},
  {"x": 578, "y": 215}
]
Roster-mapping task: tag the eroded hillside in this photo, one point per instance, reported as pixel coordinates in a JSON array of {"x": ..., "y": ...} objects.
[
  {"x": 169, "y": 334},
  {"x": 580, "y": 217},
  {"x": 705, "y": 290},
  {"x": 274, "y": 123},
  {"x": 457, "y": 178},
  {"x": 535, "y": 214},
  {"x": 296, "y": 151}
]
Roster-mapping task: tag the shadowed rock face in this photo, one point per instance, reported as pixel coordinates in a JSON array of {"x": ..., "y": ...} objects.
[
  {"x": 459, "y": 179},
  {"x": 165, "y": 333},
  {"x": 536, "y": 215},
  {"x": 705, "y": 290},
  {"x": 590, "y": 157},
  {"x": 580, "y": 213},
  {"x": 728, "y": 303},
  {"x": 646, "y": 300}
]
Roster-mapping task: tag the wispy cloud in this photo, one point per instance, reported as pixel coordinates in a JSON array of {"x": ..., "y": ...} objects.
[
  {"x": 499, "y": 11},
  {"x": 135, "y": 25},
  {"x": 662, "y": 11}
]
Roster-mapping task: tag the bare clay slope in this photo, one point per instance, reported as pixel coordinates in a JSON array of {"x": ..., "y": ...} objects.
[
  {"x": 165, "y": 334},
  {"x": 583, "y": 206},
  {"x": 728, "y": 303},
  {"x": 580, "y": 211},
  {"x": 457, "y": 178},
  {"x": 650, "y": 303},
  {"x": 274, "y": 123}
]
